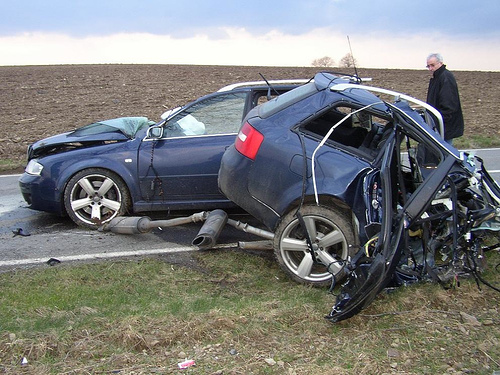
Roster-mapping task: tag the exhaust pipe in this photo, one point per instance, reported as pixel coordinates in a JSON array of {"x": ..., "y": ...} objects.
[
  {"x": 138, "y": 225},
  {"x": 249, "y": 229},
  {"x": 256, "y": 245},
  {"x": 207, "y": 236},
  {"x": 211, "y": 229}
]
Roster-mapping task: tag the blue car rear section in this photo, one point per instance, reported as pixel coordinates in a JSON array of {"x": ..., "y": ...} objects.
[{"x": 398, "y": 180}]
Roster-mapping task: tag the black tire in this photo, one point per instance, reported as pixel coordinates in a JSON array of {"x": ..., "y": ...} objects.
[
  {"x": 94, "y": 196},
  {"x": 333, "y": 238}
]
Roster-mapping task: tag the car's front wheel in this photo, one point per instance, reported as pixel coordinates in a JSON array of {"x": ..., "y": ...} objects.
[
  {"x": 94, "y": 196},
  {"x": 332, "y": 237}
]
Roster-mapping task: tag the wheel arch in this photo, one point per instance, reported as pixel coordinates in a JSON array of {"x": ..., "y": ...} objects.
[
  {"x": 324, "y": 200},
  {"x": 70, "y": 171}
]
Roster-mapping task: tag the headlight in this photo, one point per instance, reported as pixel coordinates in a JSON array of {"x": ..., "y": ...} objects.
[{"x": 34, "y": 167}]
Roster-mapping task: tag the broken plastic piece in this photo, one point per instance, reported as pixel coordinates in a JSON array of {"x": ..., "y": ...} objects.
[{"x": 187, "y": 363}]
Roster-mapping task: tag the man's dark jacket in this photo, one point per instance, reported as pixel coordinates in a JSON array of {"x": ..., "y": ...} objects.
[{"x": 443, "y": 95}]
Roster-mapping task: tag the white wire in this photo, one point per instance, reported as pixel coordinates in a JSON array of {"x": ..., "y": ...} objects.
[{"x": 323, "y": 141}]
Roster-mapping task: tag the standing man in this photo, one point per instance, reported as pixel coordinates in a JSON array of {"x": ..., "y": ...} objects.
[{"x": 443, "y": 95}]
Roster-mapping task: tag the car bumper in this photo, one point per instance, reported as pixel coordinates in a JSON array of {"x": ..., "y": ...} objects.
[
  {"x": 40, "y": 194},
  {"x": 233, "y": 183}
]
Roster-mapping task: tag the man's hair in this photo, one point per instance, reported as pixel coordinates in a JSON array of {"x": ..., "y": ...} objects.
[{"x": 437, "y": 56}]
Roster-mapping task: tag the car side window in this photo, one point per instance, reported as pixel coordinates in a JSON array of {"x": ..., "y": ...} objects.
[
  {"x": 361, "y": 130},
  {"x": 220, "y": 114}
]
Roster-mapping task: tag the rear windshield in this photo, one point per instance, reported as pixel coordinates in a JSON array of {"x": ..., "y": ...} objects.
[{"x": 285, "y": 100}]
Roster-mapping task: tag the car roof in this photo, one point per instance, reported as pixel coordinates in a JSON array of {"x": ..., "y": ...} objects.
[
  {"x": 233, "y": 86},
  {"x": 341, "y": 84}
]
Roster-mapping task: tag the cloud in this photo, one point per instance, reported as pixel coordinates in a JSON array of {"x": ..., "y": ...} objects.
[
  {"x": 239, "y": 46},
  {"x": 383, "y": 33},
  {"x": 82, "y": 18}
]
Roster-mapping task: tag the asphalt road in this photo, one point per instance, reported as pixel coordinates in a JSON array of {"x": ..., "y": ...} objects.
[
  {"x": 47, "y": 236},
  {"x": 53, "y": 237}
]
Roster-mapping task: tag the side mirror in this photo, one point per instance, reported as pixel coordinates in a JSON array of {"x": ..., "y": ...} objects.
[{"x": 155, "y": 132}]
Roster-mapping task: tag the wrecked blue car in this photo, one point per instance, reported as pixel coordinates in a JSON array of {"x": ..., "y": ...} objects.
[{"x": 359, "y": 187}]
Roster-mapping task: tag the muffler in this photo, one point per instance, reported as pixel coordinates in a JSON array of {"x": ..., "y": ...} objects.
[
  {"x": 144, "y": 224},
  {"x": 211, "y": 229}
]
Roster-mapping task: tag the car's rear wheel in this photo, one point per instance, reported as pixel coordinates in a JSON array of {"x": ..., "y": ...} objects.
[
  {"x": 94, "y": 196},
  {"x": 332, "y": 236}
]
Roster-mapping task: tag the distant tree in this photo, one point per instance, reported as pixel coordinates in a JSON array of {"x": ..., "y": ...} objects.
[
  {"x": 348, "y": 61},
  {"x": 323, "y": 62}
]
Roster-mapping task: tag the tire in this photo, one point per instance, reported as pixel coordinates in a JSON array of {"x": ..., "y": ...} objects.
[
  {"x": 332, "y": 235},
  {"x": 90, "y": 207}
]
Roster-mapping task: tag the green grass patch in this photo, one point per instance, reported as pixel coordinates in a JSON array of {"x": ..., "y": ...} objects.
[
  {"x": 11, "y": 164},
  {"x": 234, "y": 312},
  {"x": 476, "y": 142}
]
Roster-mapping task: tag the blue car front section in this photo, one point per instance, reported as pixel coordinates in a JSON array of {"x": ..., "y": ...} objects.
[{"x": 44, "y": 192}]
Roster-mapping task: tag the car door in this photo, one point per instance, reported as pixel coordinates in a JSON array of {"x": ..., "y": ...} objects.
[{"x": 181, "y": 167}]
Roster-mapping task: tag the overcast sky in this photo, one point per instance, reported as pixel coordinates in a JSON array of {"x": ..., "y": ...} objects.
[{"x": 383, "y": 33}]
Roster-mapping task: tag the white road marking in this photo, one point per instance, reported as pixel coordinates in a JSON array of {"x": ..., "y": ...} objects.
[{"x": 116, "y": 254}]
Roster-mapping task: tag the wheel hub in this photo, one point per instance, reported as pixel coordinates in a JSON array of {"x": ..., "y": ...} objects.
[{"x": 316, "y": 248}]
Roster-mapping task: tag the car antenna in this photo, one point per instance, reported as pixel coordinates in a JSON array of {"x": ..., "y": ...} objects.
[
  {"x": 352, "y": 57},
  {"x": 270, "y": 87}
]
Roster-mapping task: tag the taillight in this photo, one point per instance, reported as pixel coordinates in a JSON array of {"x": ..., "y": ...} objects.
[{"x": 248, "y": 141}]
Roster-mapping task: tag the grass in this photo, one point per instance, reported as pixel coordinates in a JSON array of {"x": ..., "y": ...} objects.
[
  {"x": 235, "y": 313},
  {"x": 476, "y": 142},
  {"x": 11, "y": 164}
]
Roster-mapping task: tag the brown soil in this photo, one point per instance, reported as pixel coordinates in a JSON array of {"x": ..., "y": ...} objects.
[{"x": 39, "y": 101}]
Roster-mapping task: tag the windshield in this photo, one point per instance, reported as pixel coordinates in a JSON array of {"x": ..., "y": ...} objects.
[{"x": 126, "y": 125}]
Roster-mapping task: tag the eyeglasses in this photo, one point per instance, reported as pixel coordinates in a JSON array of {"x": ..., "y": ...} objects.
[{"x": 431, "y": 65}]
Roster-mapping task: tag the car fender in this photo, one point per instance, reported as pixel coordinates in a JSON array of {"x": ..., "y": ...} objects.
[
  {"x": 292, "y": 198},
  {"x": 121, "y": 169},
  {"x": 341, "y": 184}
]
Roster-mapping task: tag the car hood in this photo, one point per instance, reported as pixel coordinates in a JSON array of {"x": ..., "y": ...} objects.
[{"x": 98, "y": 133}]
